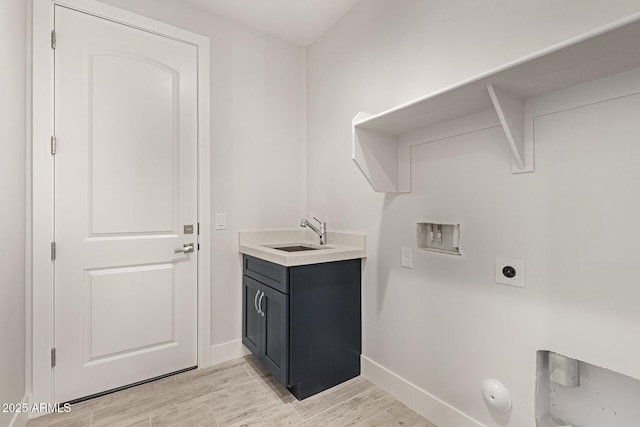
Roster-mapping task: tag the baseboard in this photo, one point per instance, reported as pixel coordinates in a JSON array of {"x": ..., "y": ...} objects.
[
  {"x": 20, "y": 419},
  {"x": 227, "y": 351},
  {"x": 421, "y": 401}
]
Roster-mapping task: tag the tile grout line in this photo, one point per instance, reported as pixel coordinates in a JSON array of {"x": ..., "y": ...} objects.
[
  {"x": 215, "y": 419},
  {"x": 245, "y": 369},
  {"x": 296, "y": 411},
  {"x": 362, "y": 422},
  {"x": 333, "y": 406}
]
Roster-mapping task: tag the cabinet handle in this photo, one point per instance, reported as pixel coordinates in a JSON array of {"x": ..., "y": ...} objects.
[
  {"x": 255, "y": 302},
  {"x": 260, "y": 305}
]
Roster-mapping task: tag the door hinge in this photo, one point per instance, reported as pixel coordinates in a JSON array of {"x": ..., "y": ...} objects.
[
  {"x": 53, "y": 145},
  {"x": 53, "y": 251},
  {"x": 53, "y": 39},
  {"x": 198, "y": 228},
  {"x": 53, "y": 357}
]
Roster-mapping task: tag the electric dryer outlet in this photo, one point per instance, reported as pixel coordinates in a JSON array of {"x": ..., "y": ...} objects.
[{"x": 510, "y": 271}]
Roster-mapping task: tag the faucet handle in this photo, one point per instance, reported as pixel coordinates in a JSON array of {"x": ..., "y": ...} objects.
[{"x": 323, "y": 225}]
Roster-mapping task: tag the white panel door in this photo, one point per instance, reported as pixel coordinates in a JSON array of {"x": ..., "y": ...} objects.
[{"x": 125, "y": 187}]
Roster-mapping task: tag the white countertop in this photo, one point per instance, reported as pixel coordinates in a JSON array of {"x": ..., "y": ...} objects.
[{"x": 339, "y": 247}]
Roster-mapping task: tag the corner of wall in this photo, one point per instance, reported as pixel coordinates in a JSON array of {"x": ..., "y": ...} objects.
[
  {"x": 305, "y": 131},
  {"x": 20, "y": 419},
  {"x": 28, "y": 195},
  {"x": 227, "y": 351}
]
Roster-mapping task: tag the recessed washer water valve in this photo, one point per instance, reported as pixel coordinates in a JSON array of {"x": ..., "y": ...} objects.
[{"x": 442, "y": 238}]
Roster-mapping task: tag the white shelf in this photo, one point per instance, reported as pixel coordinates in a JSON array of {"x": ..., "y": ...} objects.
[{"x": 381, "y": 142}]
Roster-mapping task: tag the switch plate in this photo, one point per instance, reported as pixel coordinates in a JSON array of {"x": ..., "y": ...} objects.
[
  {"x": 406, "y": 258},
  {"x": 221, "y": 221},
  {"x": 516, "y": 270}
]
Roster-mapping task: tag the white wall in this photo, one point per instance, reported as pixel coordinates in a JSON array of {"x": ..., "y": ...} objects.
[
  {"x": 604, "y": 398},
  {"x": 12, "y": 202},
  {"x": 258, "y": 132},
  {"x": 445, "y": 325}
]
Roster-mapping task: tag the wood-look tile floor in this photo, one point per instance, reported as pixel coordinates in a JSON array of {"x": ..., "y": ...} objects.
[{"x": 237, "y": 393}]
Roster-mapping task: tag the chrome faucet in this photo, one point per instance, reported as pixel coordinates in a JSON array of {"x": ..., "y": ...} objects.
[{"x": 322, "y": 232}]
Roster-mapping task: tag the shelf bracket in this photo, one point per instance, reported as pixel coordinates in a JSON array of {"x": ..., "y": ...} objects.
[
  {"x": 511, "y": 113},
  {"x": 381, "y": 158}
]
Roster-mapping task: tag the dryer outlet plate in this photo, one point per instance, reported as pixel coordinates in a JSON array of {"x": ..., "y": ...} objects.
[{"x": 510, "y": 272}]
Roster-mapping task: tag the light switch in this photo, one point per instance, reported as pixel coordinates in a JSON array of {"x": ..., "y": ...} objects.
[
  {"x": 406, "y": 260},
  {"x": 221, "y": 221}
]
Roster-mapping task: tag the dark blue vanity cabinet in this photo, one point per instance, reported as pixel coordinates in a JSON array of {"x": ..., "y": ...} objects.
[{"x": 304, "y": 322}]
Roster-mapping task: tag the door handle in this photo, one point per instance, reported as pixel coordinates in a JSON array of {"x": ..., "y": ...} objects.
[
  {"x": 185, "y": 249},
  {"x": 255, "y": 302},
  {"x": 260, "y": 305}
]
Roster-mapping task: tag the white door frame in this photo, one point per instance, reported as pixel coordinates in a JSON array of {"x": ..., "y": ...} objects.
[{"x": 42, "y": 196}]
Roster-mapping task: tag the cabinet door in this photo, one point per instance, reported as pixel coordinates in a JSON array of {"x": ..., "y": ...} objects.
[
  {"x": 275, "y": 338},
  {"x": 251, "y": 319}
]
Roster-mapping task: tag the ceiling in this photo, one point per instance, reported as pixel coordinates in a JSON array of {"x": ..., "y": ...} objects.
[{"x": 300, "y": 22}]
